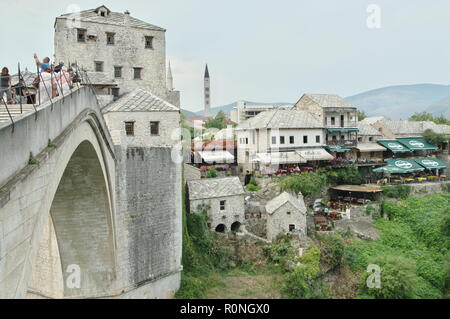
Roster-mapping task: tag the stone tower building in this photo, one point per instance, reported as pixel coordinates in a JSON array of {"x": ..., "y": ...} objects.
[
  {"x": 121, "y": 53},
  {"x": 207, "y": 87}
]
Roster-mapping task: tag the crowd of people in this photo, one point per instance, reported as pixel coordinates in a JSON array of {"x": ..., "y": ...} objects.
[{"x": 52, "y": 80}]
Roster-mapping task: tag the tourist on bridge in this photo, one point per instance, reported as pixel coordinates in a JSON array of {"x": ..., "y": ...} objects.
[
  {"x": 44, "y": 64},
  {"x": 5, "y": 85}
]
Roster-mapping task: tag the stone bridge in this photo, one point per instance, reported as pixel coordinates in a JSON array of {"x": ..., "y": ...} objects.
[{"x": 58, "y": 232}]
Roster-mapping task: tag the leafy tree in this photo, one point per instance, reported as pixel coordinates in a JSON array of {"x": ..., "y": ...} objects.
[
  {"x": 361, "y": 115},
  {"x": 435, "y": 138},
  {"x": 425, "y": 116},
  {"x": 219, "y": 122},
  {"x": 350, "y": 175},
  {"x": 308, "y": 183},
  {"x": 398, "y": 278}
]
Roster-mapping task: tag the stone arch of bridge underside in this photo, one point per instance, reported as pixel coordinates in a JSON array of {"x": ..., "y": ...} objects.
[{"x": 76, "y": 252}]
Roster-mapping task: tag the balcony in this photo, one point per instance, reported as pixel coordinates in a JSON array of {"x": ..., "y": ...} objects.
[{"x": 343, "y": 142}]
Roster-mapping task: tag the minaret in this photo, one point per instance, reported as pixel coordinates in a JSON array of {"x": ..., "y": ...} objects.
[
  {"x": 207, "y": 93},
  {"x": 169, "y": 79}
]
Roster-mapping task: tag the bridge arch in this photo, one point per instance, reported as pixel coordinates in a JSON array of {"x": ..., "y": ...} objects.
[{"x": 75, "y": 229}]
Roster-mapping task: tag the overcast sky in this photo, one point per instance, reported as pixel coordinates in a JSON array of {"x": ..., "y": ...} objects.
[{"x": 265, "y": 51}]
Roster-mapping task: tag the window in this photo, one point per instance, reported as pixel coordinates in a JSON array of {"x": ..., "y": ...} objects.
[
  {"x": 222, "y": 204},
  {"x": 98, "y": 66},
  {"x": 274, "y": 140},
  {"x": 334, "y": 137},
  {"x": 246, "y": 140},
  {"x": 291, "y": 140},
  {"x": 281, "y": 139},
  {"x": 291, "y": 227},
  {"x": 317, "y": 138},
  {"x": 109, "y": 38},
  {"x": 149, "y": 42},
  {"x": 333, "y": 120},
  {"x": 81, "y": 35},
  {"x": 305, "y": 139},
  {"x": 154, "y": 128},
  {"x": 117, "y": 72},
  {"x": 115, "y": 93},
  {"x": 288, "y": 213},
  {"x": 370, "y": 139},
  {"x": 359, "y": 139},
  {"x": 129, "y": 128},
  {"x": 137, "y": 73}
]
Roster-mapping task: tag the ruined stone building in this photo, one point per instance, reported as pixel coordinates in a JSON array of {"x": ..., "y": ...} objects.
[
  {"x": 286, "y": 214},
  {"x": 222, "y": 197},
  {"x": 120, "y": 52}
]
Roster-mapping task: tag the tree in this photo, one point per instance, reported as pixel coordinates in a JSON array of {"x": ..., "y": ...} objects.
[
  {"x": 435, "y": 138},
  {"x": 211, "y": 173},
  {"x": 425, "y": 116},
  {"x": 219, "y": 122},
  {"x": 361, "y": 115},
  {"x": 398, "y": 278}
]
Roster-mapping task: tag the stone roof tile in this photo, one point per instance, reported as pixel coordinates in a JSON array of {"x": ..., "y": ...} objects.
[
  {"x": 140, "y": 100},
  {"x": 215, "y": 187},
  {"x": 282, "y": 199}
]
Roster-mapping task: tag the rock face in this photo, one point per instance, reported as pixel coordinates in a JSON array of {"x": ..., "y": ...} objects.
[{"x": 422, "y": 190}]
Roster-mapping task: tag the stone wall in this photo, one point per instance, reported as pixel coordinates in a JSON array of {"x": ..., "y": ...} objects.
[
  {"x": 279, "y": 221},
  {"x": 148, "y": 216},
  {"x": 234, "y": 210}
]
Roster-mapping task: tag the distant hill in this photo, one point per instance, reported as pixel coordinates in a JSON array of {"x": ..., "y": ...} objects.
[
  {"x": 227, "y": 108},
  {"x": 401, "y": 101},
  {"x": 395, "y": 102},
  {"x": 440, "y": 107},
  {"x": 188, "y": 113}
]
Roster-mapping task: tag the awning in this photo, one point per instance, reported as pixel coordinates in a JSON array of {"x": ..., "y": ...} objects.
[
  {"x": 315, "y": 154},
  {"x": 416, "y": 143},
  {"x": 342, "y": 130},
  {"x": 216, "y": 156},
  {"x": 279, "y": 158},
  {"x": 400, "y": 166},
  {"x": 431, "y": 163},
  {"x": 337, "y": 148},
  {"x": 395, "y": 147},
  {"x": 370, "y": 147},
  {"x": 358, "y": 188}
]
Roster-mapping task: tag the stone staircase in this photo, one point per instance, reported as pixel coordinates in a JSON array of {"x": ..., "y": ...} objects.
[{"x": 14, "y": 109}]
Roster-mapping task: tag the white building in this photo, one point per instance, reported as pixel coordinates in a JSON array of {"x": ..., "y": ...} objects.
[
  {"x": 243, "y": 111},
  {"x": 120, "y": 52},
  {"x": 224, "y": 198},
  {"x": 286, "y": 214},
  {"x": 337, "y": 115},
  {"x": 280, "y": 137}
]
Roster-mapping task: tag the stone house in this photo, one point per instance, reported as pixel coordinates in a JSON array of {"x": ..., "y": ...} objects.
[
  {"x": 279, "y": 137},
  {"x": 224, "y": 198},
  {"x": 286, "y": 214},
  {"x": 367, "y": 148},
  {"x": 126, "y": 52},
  {"x": 338, "y": 116}
]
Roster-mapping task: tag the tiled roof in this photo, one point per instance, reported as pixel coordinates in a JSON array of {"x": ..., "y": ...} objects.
[
  {"x": 282, "y": 118},
  {"x": 215, "y": 187},
  {"x": 100, "y": 78},
  {"x": 368, "y": 130},
  {"x": 283, "y": 198},
  {"x": 330, "y": 100},
  {"x": 404, "y": 127},
  {"x": 114, "y": 18},
  {"x": 372, "y": 120},
  {"x": 139, "y": 100}
]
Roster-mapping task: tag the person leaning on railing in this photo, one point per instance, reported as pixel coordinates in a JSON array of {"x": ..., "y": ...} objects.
[{"x": 5, "y": 85}]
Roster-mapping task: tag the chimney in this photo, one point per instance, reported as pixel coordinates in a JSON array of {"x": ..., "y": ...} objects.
[{"x": 126, "y": 18}]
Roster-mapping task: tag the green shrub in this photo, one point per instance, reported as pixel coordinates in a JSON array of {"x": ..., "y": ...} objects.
[
  {"x": 397, "y": 191},
  {"x": 331, "y": 249},
  {"x": 398, "y": 278},
  {"x": 308, "y": 183},
  {"x": 252, "y": 188},
  {"x": 349, "y": 175},
  {"x": 253, "y": 181},
  {"x": 211, "y": 173}
]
